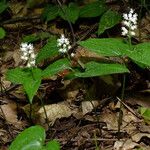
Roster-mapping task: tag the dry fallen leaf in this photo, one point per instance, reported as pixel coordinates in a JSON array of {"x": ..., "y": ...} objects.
[
  {"x": 54, "y": 111},
  {"x": 137, "y": 137},
  {"x": 10, "y": 113},
  {"x": 125, "y": 145},
  {"x": 88, "y": 106}
]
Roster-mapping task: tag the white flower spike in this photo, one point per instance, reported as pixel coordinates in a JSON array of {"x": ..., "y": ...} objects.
[
  {"x": 28, "y": 55},
  {"x": 63, "y": 44},
  {"x": 130, "y": 23}
]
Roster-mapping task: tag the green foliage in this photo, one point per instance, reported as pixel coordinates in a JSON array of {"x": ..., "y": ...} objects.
[
  {"x": 3, "y": 6},
  {"x": 98, "y": 69},
  {"x": 145, "y": 112},
  {"x": 33, "y": 138},
  {"x": 2, "y": 33},
  {"x": 141, "y": 54},
  {"x": 70, "y": 12},
  {"x": 93, "y": 9},
  {"x": 50, "y": 12},
  {"x": 35, "y": 37},
  {"x": 30, "y": 78},
  {"x": 53, "y": 145},
  {"x": 56, "y": 67},
  {"x": 106, "y": 46},
  {"x": 108, "y": 20},
  {"x": 49, "y": 50}
]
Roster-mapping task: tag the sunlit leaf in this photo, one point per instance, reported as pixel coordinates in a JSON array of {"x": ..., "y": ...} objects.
[
  {"x": 56, "y": 67},
  {"x": 106, "y": 46},
  {"x": 30, "y": 139},
  {"x": 141, "y": 54},
  {"x": 98, "y": 69}
]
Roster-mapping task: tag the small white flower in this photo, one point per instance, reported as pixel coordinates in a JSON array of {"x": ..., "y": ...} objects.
[
  {"x": 28, "y": 65},
  {"x": 132, "y": 33},
  {"x": 63, "y": 44},
  {"x": 72, "y": 54},
  {"x": 125, "y": 16},
  {"x": 130, "y": 22},
  {"x": 28, "y": 54},
  {"x": 69, "y": 47},
  {"x": 33, "y": 55},
  {"x": 124, "y": 31},
  {"x": 24, "y": 45}
]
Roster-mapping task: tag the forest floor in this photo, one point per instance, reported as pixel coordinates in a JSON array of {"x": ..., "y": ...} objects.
[{"x": 82, "y": 114}]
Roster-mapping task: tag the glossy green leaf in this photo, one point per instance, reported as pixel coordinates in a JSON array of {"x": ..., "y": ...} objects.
[
  {"x": 17, "y": 75},
  {"x": 98, "y": 69},
  {"x": 93, "y": 9},
  {"x": 32, "y": 83},
  {"x": 29, "y": 78},
  {"x": 56, "y": 67},
  {"x": 106, "y": 46},
  {"x": 50, "y": 12},
  {"x": 70, "y": 12},
  {"x": 2, "y": 33},
  {"x": 30, "y": 139},
  {"x": 49, "y": 50},
  {"x": 53, "y": 145},
  {"x": 141, "y": 54},
  {"x": 108, "y": 20}
]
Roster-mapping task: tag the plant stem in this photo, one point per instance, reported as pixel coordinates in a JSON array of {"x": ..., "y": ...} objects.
[
  {"x": 121, "y": 106},
  {"x": 41, "y": 99},
  {"x": 30, "y": 114},
  {"x": 96, "y": 144},
  {"x": 130, "y": 42}
]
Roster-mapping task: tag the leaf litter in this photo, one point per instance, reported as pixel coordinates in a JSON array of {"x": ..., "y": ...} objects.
[{"x": 75, "y": 120}]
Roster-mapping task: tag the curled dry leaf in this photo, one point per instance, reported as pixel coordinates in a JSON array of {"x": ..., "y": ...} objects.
[{"x": 88, "y": 106}]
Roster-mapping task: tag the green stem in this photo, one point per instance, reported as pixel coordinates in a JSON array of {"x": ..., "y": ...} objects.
[
  {"x": 130, "y": 42},
  {"x": 95, "y": 139},
  {"x": 45, "y": 113},
  {"x": 30, "y": 114}
]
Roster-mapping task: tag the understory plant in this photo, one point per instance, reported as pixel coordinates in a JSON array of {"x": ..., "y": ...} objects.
[
  {"x": 120, "y": 50},
  {"x": 33, "y": 138}
]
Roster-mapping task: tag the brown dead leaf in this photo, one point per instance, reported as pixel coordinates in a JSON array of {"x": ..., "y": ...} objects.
[
  {"x": 125, "y": 145},
  {"x": 88, "y": 106},
  {"x": 110, "y": 118},
  {"x": 137, "y": 137},
  {"x": 16, "y": 57},
  {"x": 10, "y": 113},
  {"x": 54, "y": 111}
]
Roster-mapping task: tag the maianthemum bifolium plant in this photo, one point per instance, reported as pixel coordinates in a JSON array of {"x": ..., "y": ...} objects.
[{"x": 30, "y": 75}]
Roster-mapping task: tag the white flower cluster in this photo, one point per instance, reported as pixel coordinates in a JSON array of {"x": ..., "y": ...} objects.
[
  {"x": 28, "y": 54},
  {"x": 63, "y": 44},
  {"x": 130, "y": 22}
]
